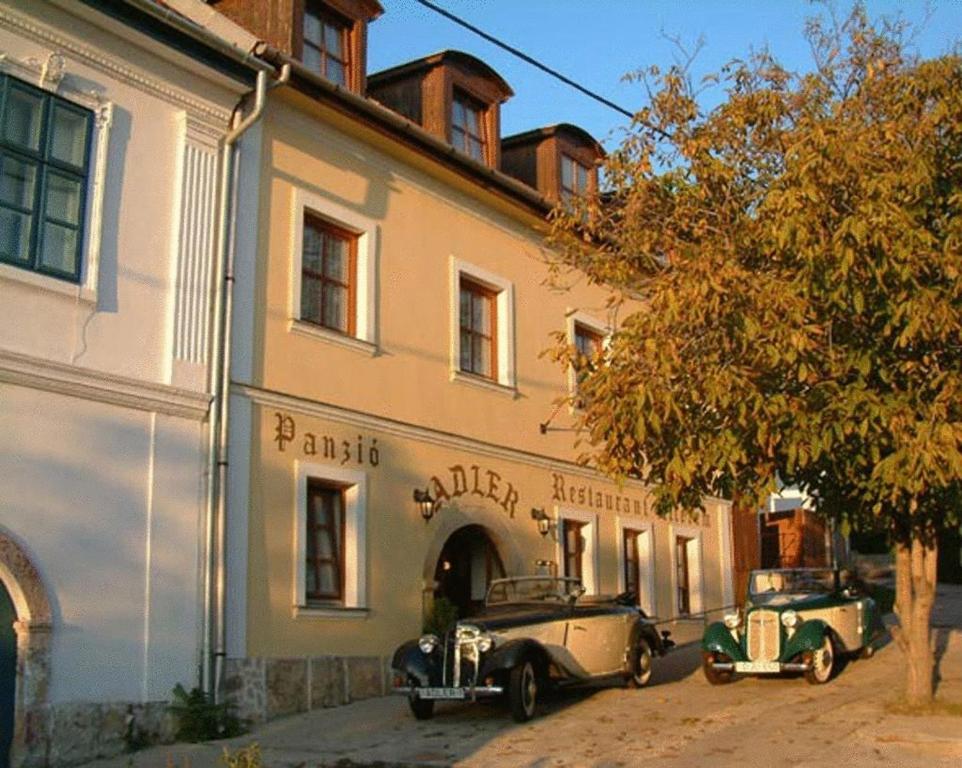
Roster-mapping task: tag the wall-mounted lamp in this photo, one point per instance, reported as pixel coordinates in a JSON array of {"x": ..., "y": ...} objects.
[
  {"x": 545, "y": 523},
  {"x": 426, "y": 504}
]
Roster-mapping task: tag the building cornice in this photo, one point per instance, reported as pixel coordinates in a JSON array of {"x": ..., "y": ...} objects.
[{"x": 88, "y": 384}]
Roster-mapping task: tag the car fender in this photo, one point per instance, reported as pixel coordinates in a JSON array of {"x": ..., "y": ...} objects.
[
  {"x": 808, "y": 637},
  {"x": 645, "y": 629},
  {"x": 410, "y": 660},
  {"x": 718, "y": 639},
  {"x": 505, "y": 657}
]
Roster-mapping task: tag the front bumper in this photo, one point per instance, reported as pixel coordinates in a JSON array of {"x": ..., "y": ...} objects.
[
  {"x": 449, "y": 693},
  {"x": 760, "y": 668}
]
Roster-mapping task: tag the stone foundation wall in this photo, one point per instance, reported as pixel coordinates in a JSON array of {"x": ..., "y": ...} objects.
[
  {"x": 76, "y": 732},
  {"x": 264, "y": 688}
]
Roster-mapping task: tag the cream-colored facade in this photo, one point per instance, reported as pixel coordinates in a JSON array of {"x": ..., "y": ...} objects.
[{"x": 387, "y": 410}]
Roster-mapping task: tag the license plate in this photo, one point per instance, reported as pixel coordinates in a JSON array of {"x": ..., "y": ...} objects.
[
  {"x": 757, "y": 666},
  {"x": 440, "y": 693}
]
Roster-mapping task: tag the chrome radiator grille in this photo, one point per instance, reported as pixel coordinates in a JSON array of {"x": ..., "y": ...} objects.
[{"x": 763, "y": 635}]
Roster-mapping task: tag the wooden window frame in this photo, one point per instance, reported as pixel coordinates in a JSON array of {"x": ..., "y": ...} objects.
[
  {"x": 682, "y": 575},
  {"x": 462, "y": 97},
  {"x": 576, "y": 557},
  {"x": 489, "y": 295},
  {"x": 315, "y": 485},
  {"x": 328, "y": 16},
  {"x": 46, "y": 165},
  {"x": 568, "y": 192},
  {"x": 323, "y": 225},
  {"x": 632, "y": 566}
]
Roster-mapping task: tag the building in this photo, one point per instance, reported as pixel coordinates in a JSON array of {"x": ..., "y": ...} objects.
[
  {"x": 390, "y": 309},
  {"x": 112, "y": 115}
]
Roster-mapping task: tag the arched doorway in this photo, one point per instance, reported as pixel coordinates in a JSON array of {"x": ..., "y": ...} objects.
[
  {"x": 468, "y": 562},
  {"x": 8, "y": 674}
]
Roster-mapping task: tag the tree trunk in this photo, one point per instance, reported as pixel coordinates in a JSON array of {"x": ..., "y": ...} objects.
[{"x": 915, "y": 579}]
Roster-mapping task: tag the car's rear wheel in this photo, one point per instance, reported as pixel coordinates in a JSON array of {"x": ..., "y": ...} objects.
[
  {"x": 712, "y": 675},
  {"x": 822, "y": 662},
  {"x": 640, "y": 665},
  {"x": 422, "y": 709},
  {"x": 523, "y": 691}
]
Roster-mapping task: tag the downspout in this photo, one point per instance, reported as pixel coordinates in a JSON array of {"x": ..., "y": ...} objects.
[{"x": 214, "y": 631}]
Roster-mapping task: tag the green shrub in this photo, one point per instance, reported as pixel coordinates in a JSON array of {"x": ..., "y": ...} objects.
[
  {"x": 244, "y": 757},
  {"x": 441, "y": 616},
  {"x": 883, "y": 596},
  {"x": 200, "y": 719}
]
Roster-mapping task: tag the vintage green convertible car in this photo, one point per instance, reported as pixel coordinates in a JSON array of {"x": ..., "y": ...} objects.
[{"x": 794, "y": 620}]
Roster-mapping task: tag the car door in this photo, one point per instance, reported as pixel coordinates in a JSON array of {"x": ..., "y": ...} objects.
[{"x": 596, "y": 640}]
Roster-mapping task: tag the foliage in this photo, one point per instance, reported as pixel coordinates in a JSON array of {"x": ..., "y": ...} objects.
[
  {"x": 442, "y": 615},
  {"x": 243, "y": 757},
  {"x": 200, "y": 719},
  {"x": 787, "y": 266},
  {"x": 883, "y": 596}
]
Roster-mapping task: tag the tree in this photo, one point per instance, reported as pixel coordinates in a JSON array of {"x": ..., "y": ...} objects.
[{"x": 787, "y": 266}]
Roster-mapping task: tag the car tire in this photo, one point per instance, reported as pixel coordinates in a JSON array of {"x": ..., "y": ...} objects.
[
  {"x": 712, "y": 675},
  {"x": 523, "y": 691},
  {"x": 422, "y": 709},
  {"x": 641, "y": 666},
  {"x": 823, "y": 660}
]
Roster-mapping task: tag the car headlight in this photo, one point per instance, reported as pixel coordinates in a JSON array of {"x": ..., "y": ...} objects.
[
  {"x": 485, "y": 643},
  {"x": 428, "y": 643},
  {"x": 789, "y": 619},
  {"x": 732, "y": 620}
]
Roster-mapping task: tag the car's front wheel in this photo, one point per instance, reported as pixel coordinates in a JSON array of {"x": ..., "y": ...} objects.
[
  {"x": 640, "y": 665},
  {"x": 822, "y": 662},
  {"x": 523, "y": 691},
  {"x": 712, "y": 675}
]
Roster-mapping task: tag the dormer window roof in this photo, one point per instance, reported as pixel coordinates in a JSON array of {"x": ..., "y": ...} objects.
[
  {"x": 560, "y": 161},
  {"x": 451, "y": 94}
]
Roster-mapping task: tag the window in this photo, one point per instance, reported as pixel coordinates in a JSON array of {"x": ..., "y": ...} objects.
[
  {"x": 329, "y": 541},
  {"x": 574, "y": 178},
  {"x": 44, "y": 161},
  {"x": 478, "y": 329},
  {"x": 325, "y": 49},
  {"x": 682, "y": 582},
  {"x": 573, "y": 543},
  {"x": 328, "y": 275},
  {"x": 467, "y": 126},
  {"x": 324, "y": 558},
  {"x": 589, "y": 344},
  {"x": 629, "y": 543}
]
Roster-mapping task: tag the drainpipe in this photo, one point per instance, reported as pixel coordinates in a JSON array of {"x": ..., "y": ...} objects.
[{"x": 214, "y": 630}]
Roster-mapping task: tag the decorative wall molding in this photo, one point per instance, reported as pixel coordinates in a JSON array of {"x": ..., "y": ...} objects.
[
  {"x": 216, "y": 117},
  {"x": 88, "y": 384}
]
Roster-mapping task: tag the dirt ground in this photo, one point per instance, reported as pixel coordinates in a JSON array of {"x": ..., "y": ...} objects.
[{"x": 679, "y": 720}]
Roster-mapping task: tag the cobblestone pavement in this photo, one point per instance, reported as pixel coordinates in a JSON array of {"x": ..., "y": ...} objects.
[{"x": 679, "y": 720}]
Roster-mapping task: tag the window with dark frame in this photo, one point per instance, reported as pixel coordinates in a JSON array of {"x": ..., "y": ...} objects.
[
  {"x": 574, "y": 178},
  {"x": 467, "y": 126},
  {"x": 478, "y": 329},
  {"x": 629, "y": 543},
  {"x": 324, "y": 558},
  {"x": 325, "y": 43},
  {"x": 328, "y": 275},
  {"x": 573, "y": 544},
  {"x": 682, "y": 576},
  {"x": 44, "y": 164},
  {"x": 589, "y": 344}
]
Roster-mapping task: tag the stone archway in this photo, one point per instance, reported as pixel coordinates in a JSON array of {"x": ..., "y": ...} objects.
[{"x": 34, "y": 621}]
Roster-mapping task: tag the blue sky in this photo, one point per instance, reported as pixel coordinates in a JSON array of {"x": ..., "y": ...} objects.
[{"x": 597, "y": 41}]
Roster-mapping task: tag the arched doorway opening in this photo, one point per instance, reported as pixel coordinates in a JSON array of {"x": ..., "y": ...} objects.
[
  {"x": 8, "y": 674},
  {"x": 468, "y": 562}
]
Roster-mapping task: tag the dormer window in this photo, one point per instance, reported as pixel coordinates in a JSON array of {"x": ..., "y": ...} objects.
[
  {"x": 574, "y": 178},
  {"x": 326, "y": 43},
  {"x": 467, "y": 126}
]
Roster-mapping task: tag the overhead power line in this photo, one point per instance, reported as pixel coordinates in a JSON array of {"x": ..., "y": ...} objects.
[{"x": 528, "y": 59}]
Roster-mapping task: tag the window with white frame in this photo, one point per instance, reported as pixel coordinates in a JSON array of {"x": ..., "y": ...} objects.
[
  {"x": 482, "y": 326},
  {"x": 53, "y": 152},
  {"x": 589, "y": 337},
  {"x": 577, "y": 546},
  {"x": 687, "y": 570},
  {"x": 635, "y": 544},
  {"x": 334, "y": 272},
  {"x": 329, "y": 540}
]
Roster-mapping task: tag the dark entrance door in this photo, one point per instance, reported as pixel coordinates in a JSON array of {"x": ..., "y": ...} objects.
[
  {"x": 468, "y": 562},
  {"x": 8, "y": 674}
]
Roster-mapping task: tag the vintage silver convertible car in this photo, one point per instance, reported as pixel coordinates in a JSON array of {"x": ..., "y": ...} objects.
[
  {"x": 534, "y": 632},
  {"x": 794, "y": 620}
]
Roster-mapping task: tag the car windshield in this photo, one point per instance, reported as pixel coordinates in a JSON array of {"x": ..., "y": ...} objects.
[
  {"x": 785, "y": 581},
  {"x": 531, "y": 589}
]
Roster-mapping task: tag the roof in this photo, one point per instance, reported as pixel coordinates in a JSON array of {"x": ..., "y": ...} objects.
[
  {"x": 580, "y": 135},
  {"x": 460, "y": 58}
]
